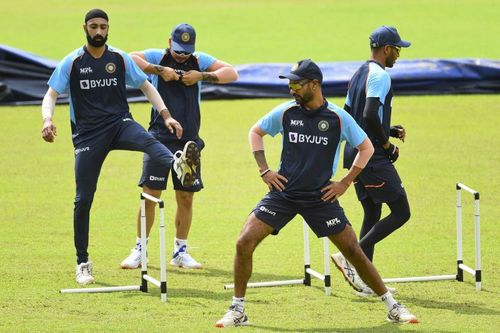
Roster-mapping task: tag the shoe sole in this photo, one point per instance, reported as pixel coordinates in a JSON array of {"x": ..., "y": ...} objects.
[
  {"x": 245, "y": 323},
  {"x": 129, "y": 267},
  {"x": 412, "y": 321},
  {"x": 185, "y": 267},
  {"x": 192, "y": 155},
  {"x": 341, "y": 269}
]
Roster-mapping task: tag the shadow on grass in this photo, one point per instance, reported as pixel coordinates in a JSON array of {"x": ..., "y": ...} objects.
[
  {"x": 459, "y": 307},
  {"x": 386, "y": 327}
]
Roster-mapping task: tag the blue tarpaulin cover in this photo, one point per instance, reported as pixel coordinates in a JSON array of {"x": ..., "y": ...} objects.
[{"x": 23, "y": 78}]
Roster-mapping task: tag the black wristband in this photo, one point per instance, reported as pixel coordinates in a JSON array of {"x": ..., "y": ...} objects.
[{"x": 265, "y": 172}]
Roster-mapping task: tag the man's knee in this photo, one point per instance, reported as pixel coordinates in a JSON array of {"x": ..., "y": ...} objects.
[
  {"x": 84, "y": 200},
  {"x": 245, "y": 245},
  {"x": 184, "y": 199}
]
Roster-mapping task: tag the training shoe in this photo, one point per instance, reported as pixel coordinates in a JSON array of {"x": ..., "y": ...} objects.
[
  {"x": 186, "y": 162},
  {"x": 184, "y": 259},
  {"x": 368, "y": 292},
  {"x": 233, "y": 317},
  {"x": 349, "y": 272},
  {"x": 400, "y": 314},
  {"x": 84, "y": 273},
  {"x": 133, "y": 261}
]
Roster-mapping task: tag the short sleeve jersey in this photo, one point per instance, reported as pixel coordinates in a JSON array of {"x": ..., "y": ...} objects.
[
  {"x": 311, "y": 144},
  {"x": 97, "y": 88},
  {"x": 182, "y": 101},
  {"x": 370, "y": 80}
]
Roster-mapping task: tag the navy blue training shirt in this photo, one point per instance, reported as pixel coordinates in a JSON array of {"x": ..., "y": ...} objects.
[
  {"x": 311, "y": 144},
  {"x": 370, "y": 80},
  {"x": 97, "y": 88}
]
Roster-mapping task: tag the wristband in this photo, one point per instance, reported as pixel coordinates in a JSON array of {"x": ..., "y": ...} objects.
[{"x": 263, "y": 173}]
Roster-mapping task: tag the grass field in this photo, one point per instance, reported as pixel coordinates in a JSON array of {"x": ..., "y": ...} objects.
[{"x": 450, "y": 139}]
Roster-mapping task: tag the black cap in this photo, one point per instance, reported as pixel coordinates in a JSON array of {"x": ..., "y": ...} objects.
[
  {"x": 387, "y": 36},
  {"x": 93, "y": 13},
  {"x": 304, "y": 69}
]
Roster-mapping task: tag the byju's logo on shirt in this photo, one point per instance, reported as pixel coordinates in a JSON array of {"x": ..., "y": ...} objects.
[
  {"x": 332, "y": 222},
  {"x": 86, "y": 70},
  {"x": 294, "y": 137},
  {"x": 297, "y": 123},
  {"x": 99, "y": 83}
]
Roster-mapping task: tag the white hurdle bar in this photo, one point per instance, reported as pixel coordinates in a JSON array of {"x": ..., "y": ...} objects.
[
  {"x": 308, "y": 271},
  {"x": 162, "y": 284},
  {"x": 460, "y": 265}
]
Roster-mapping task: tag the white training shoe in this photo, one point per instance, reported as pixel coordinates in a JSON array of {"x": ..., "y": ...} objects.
[
  {"x": 186, "y": 162},
  {"x": 233, "y": 317},
  {"x": 84, "y": 273},
  {"x": 368, "y": 292},
  {"x": 400, "y": 314},
  {"x": 184, "y": 259},
  {"x": 133, "y": 261},
  {"x": 349, "y": 272}
]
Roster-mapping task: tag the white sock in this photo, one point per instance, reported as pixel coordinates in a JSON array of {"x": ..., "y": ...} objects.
[
  {"x": 389, "y": 300},
  {"x": 180, "y": 245},
  {"x": 138, "y": 243},
  {"x": 239, "y": 303}
]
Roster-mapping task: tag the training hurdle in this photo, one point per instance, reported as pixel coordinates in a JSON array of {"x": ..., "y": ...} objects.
[
  {"x": 461, "y": 267},
  {"x": 145, "y": 278},
  {"x": 308, "y": 271}
]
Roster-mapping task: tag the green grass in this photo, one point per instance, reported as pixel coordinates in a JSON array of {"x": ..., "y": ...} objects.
[{"x": 450, "y": 139}]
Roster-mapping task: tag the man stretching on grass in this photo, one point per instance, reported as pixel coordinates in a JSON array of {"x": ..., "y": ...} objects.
[
  {"x": 312, "y": 130},
  {"x": 96, "y": 75}
]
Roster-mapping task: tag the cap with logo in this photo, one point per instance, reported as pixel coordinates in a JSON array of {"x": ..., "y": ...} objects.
[
  {"x": 387, "y": 36},
  {"x": 304, "y": 69},
  {"x": 183, "y": 38}
]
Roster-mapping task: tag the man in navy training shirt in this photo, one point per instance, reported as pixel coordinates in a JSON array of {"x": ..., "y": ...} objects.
[
  {"x": 312, "y": 130},
  {"x": 177, "y": 73},
  {"x": 369, "y": 102},
  {"x": 96, "y": 76}
]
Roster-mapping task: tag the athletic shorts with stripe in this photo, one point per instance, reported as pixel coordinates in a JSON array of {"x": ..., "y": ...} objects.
[
  {"x": 380, "y": 182},
  {"x": 324, "y": 218}
]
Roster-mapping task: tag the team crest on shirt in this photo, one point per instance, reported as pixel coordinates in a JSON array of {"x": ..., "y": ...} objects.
[
  {"x": 323, "y": 126},
  {"x": 185, "y": 37},
  {"x": 110, "y": 68}
]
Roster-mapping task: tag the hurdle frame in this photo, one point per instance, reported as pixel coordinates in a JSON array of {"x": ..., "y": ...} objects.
[
  {"x": 145, "y": 278},
  {"x": 461, "y": 267},
  {"x": 308, "y": 271}
]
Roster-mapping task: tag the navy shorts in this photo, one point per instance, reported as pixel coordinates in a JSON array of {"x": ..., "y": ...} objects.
[
  {"x": 324, "y": 218},
  {"x": 379, "y": 182},
  {"x": 155, "y": 176}
]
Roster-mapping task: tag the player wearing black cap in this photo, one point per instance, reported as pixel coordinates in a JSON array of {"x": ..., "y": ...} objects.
[
  {"x": 313, "y": 130},
  {"x": 95, "y": 76}
]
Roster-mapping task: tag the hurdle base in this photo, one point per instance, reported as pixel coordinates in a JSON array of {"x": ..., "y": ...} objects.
[
  {"x": 420, "y": 278},
  {"x": 100, "y": 290}
]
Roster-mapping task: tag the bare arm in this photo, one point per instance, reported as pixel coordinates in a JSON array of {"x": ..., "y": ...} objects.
[
  {"x": 167, "y": 73},
  {"x": 218, "y": 72},
  {"x": 154, "y": 97},
  {"x": 49, "y": 130},
  {"x": 334, "y": 190},
  {"x": 270, "y": 177}
]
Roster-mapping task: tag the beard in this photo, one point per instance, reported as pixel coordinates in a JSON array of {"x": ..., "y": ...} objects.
[{"x": 97, "y": 40}]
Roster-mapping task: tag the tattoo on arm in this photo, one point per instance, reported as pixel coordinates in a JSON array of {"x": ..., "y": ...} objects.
[
  {"x": 209, "y": 77},
  {"x": 159, "y": 68}
]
